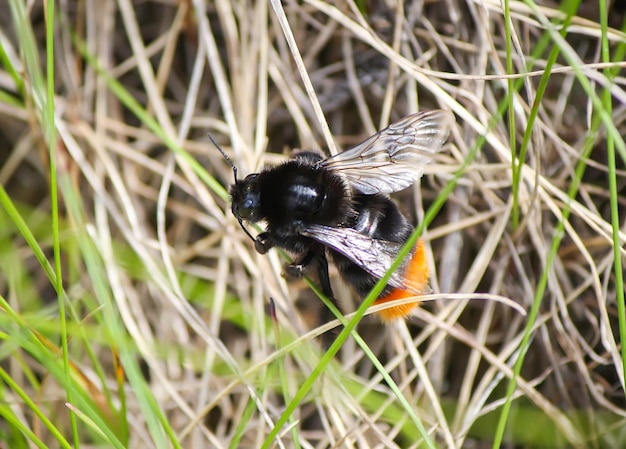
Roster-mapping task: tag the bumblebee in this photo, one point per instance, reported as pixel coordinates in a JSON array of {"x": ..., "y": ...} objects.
[{"x": 338, "y": 208}]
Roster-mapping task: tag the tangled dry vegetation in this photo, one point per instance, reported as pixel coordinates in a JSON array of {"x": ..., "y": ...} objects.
[{"x": 158, "y": 275}]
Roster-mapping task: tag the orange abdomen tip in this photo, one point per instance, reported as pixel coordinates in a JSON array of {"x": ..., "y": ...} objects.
[{"x": 416, "y": 275}]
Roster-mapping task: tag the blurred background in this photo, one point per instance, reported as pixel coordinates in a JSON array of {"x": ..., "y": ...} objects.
[{"x": 136, "y": 313}]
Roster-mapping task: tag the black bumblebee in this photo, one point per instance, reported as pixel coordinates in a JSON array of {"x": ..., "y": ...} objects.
[{"x": 338, "y": 207}]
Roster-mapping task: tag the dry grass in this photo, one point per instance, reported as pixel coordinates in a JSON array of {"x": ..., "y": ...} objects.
[{"x": 156, "y": 267}]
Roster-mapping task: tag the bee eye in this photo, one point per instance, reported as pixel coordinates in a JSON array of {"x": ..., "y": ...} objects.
[{"x": 246, "y": 208}]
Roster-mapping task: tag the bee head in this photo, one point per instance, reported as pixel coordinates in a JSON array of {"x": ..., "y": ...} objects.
[
  {"x": 244, "y": 195},
  {"x": 245, "y": 198}
]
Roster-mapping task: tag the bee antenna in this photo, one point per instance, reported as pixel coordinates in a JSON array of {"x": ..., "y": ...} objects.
[{"x": 229, "y": 160}]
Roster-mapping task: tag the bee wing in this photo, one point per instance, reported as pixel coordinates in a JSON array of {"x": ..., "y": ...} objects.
[
  {"x": 394, "y": 158},
  {"x": 374, "y": 256}
]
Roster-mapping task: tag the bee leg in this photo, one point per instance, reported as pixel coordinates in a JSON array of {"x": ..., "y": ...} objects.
[
  {"x": 299, "y": 267},
  {"x": 263, "y": 242},
  {"x": 322, "y": 273},
  {"x": 328, "y": 338}
]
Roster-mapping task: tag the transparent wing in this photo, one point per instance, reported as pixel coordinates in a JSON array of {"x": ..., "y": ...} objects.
[
  {"x": 374, "y": 256},
  {"x": 394, "y": 158}
]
